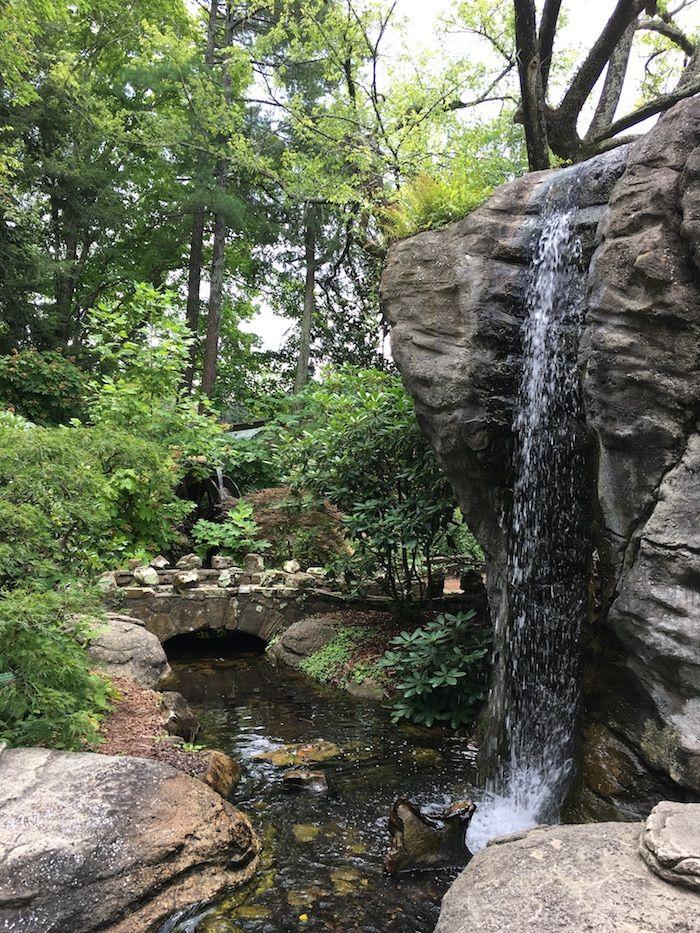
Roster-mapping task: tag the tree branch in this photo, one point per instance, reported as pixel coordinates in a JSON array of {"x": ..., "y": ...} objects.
[
  {"x": 584, "y": 80},
  {"x": 548, "y": 28},
  {"x": 670, "y": 31},
  {"x": 612, "y": 88},
  {"x": 650, "y": 109}
]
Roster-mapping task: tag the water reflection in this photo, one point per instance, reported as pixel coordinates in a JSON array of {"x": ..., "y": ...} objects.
[{"x": 322, "y": 861}]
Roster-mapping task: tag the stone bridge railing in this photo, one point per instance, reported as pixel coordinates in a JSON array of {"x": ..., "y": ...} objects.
[{"x": 249, "y": 599}]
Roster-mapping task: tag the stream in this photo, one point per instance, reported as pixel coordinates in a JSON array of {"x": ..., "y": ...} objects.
[{"x": 321, "y": 867}]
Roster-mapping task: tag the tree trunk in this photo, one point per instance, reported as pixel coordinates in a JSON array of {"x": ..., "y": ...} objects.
[
  {"x": 216, "y": 281},
  {"x": 194, "y": 282},
  {"x": 302, "y": 375},
  {"x": 530, "y": 74},
  {"x": 216, "y": 289}
]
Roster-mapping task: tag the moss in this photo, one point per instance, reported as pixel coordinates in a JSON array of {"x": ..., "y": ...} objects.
[{"x": 329, "y": 662}]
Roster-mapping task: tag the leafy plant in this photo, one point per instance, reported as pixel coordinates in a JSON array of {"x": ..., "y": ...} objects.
[
  {"x": 353, "y": 439},
  {"x": 46, "y": 388},
  {"x": 439, "y": 670},
  {"x": 48, "y": 694},
  {"x": 235, "y": 536}
]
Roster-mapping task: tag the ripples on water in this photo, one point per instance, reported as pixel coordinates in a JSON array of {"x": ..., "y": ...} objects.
[{"x": 322, "y": 852}]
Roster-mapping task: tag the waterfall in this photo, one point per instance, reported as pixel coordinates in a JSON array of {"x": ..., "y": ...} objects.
[{"x": 535, "y": 695}]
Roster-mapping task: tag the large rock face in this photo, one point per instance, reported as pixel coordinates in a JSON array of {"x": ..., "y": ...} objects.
[
  {"x": 556, "y": 879},
  {"x": 455, "y": 298},
  {"x": 91, "y": 842}
]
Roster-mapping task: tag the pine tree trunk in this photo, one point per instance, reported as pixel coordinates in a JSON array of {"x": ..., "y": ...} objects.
[
  {"x": 302, "y": 375},
  {"x": 194, "y": 282},
  {"x": 216, "y": 288}
]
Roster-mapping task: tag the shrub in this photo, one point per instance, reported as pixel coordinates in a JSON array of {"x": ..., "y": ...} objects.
[
  {"x": 440, "y": 670},
  {"x": 353, "y": 439},
  {"x": 95, "y": 497},
  {"x": 46, "y": 388},
  {"x": 235, "y": 536},
  {"x": 48, "y": 695},
  {"x": 298, "y": 527}
]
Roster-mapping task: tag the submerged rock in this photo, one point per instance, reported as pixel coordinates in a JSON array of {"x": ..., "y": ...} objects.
[
  {"x": 417, "y": 840},
  {"x": 555, "y": 879},
  {"x": 315, "y": 781},
  {"x": 93, "y": 842},
  {"x": 300, "y": 754},
  {"x": 222, "y": 773}
]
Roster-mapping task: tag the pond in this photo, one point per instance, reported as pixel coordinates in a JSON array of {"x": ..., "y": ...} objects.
[{"x": 321, "y": 867}]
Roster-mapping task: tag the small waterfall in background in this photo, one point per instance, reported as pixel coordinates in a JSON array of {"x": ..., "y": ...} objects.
[{"x": 535, "y": 696}]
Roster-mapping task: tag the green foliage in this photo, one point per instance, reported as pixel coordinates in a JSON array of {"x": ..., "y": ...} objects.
[
  {"x": 484, "y": 156},
  {"x": 353, "y": 439},
  {"x": 328, "y": 663},
  {"x": 235, "y": 536},
  {"x": 48, "y": 695},
  {"x": 250, "y": 463},
  {"x": 439, "y": 670},
  {"x": 88, "y": 498},
  {"x": 46, "y": 388}
]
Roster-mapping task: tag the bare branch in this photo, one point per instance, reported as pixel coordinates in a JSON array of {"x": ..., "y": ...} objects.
[
  {"x": 625, "y": 12},
  {"x": 548, "y": 28},
  {"x": 650, "y": 109}
]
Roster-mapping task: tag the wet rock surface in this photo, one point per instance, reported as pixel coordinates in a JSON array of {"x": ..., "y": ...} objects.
[
  {"x": 455, "y": 298},
  {"x": 419, "y": 841},
  {"x": 93, "y": 842},
  {"x": 554, "y": 879}
]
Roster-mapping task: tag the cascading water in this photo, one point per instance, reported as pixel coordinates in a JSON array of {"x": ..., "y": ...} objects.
[{"x": 535, "y": 696}]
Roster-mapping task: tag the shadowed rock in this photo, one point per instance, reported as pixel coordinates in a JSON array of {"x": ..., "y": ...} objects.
[{"x": 418, "y": 841}]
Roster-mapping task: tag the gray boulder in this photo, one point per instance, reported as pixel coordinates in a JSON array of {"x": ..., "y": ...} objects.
[
  {"x": 122, "y": 647},
  {"x": 189, "y": 562},
  {"x": 566, "y": 879},
  {"x": 93, "y": 842},
  {"x": 180, "y": 720},
  {"x": 670, "y": 843},
  {"x": 302, "y": 639},
  {"x": 146, "y": 576},
  {"x": 456, "y": 301}
]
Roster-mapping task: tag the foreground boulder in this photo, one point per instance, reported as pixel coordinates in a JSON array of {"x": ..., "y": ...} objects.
[
  {"x": 122, "y": 647},
  {"x": 91, "y": 842},
  {"x": 566, "y": 879}
]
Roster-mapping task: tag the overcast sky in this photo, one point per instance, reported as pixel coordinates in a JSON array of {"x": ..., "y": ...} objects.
[{"x": 585, "y": 19}]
